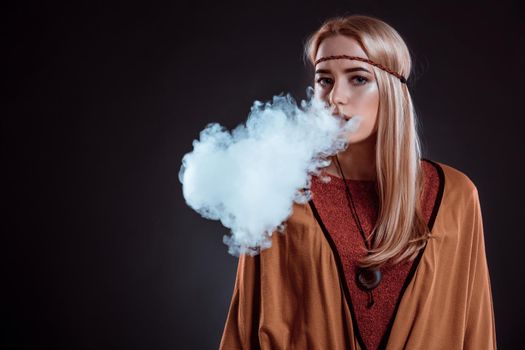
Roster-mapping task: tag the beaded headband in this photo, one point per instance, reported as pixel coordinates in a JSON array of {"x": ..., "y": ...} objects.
[{"x": 401, "y": 78}]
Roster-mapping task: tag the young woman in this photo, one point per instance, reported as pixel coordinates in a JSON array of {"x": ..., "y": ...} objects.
[{"x": 389, "y": 253}]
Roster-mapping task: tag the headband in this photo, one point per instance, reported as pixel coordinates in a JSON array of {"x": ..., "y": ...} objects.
[{"x": 401, "y": 78}]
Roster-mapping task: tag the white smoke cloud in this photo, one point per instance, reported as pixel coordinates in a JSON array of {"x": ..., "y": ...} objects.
[{"x": 249, "y": 178}]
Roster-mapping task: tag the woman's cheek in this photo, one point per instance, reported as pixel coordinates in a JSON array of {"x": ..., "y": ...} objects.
[
  {"x": 369, "y": 105},
  {"x": 366, "y": 104}
]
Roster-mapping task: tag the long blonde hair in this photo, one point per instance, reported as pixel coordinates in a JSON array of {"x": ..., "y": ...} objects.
[{"x": 400, "y": 231}]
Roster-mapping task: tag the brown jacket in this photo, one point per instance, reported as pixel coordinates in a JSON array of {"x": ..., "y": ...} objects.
[{"x": 292, "y": 295}]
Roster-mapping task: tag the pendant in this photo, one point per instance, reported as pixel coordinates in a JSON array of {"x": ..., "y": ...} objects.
[{"x": 368, "y": 279}]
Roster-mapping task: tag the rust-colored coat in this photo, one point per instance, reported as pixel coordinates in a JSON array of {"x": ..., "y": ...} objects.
[{"x": 291, "y": 296}]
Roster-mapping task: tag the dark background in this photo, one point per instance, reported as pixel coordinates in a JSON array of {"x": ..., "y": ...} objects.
[{"x": 103, "y": 100}]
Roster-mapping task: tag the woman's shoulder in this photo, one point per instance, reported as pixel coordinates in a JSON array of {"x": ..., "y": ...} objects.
[
  {"x": 455, "y": 180},
  {"x": 301, "y": 214}
]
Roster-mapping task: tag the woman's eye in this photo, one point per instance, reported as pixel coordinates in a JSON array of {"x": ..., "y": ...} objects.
[
  {"x": 360, "y": 80},
  {"x": 323, "y": 81}
]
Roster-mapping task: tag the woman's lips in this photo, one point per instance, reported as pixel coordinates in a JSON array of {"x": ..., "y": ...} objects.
[{"x": 343, "y": 117}]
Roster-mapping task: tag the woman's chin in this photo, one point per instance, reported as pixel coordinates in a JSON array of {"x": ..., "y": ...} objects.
[{"x": 360, "y": 139}]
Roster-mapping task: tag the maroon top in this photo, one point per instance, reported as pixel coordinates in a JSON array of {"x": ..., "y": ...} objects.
[{"x": 332, "y": 205}]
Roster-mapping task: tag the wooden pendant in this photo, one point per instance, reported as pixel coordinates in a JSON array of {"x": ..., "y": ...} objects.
[{"x": 368, "y": 279}]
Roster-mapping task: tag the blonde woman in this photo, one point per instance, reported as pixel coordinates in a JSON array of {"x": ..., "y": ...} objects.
[{"x": 389, "y": 253}]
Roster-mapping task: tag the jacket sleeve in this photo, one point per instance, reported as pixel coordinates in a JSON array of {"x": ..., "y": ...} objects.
[
  {"x": 242, "y": 322},
  {"x": 480, "y": 330}
]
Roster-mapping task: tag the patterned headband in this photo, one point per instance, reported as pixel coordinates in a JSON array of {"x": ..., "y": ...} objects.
[{"x": 401, "y": 78}]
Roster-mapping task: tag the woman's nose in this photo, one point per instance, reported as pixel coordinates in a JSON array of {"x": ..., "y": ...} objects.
[{"x": 339, "y": 94}]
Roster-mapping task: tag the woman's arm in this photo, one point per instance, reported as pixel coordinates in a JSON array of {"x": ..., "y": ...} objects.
[
  {"x": 242, "y": 322},
  {"x": 480, "y": 331}
]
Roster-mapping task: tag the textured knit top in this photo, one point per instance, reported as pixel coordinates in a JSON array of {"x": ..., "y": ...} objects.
[{"x": 332, "y": 204}]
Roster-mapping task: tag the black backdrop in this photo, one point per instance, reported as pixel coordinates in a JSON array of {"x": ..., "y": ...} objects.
[{"x": 104, "y": 99}]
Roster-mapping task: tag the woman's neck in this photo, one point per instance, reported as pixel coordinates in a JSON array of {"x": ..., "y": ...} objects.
[{"x": 357, "y": 161}]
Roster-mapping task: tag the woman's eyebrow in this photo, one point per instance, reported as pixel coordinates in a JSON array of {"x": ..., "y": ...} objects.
[{"x": 348, "y": 70}]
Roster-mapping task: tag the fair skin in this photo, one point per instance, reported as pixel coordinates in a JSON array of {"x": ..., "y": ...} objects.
[{"x": 350, "y": 87}]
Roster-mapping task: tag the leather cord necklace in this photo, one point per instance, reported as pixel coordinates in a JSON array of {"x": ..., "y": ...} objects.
[{"x": 367, "y": 278}]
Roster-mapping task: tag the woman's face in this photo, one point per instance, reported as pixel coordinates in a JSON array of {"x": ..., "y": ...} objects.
[{"x": 348, "y": 86}]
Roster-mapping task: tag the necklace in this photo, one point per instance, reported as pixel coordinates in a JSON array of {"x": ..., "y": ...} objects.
[{"x": 367, "y": 278}]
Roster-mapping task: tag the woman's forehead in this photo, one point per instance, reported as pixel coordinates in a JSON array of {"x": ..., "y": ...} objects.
[
  {"x": 339, "y": 45},
  {"x": 344, "y": 66}
]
